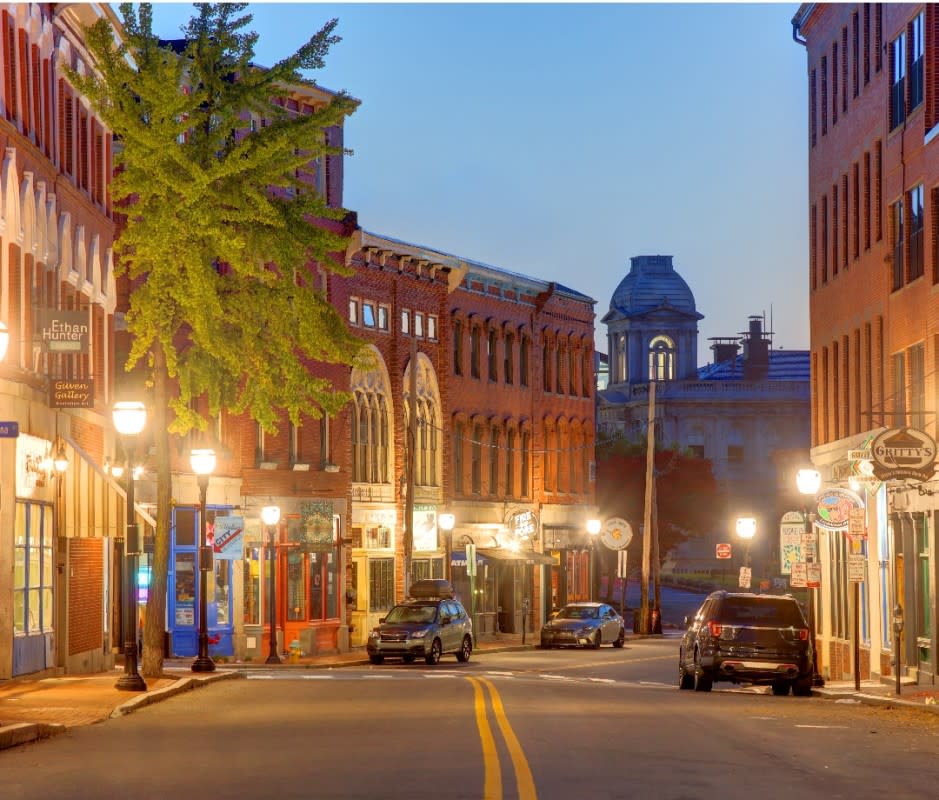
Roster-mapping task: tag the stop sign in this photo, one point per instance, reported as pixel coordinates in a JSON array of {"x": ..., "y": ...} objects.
[{"x": 723, "y": 550}]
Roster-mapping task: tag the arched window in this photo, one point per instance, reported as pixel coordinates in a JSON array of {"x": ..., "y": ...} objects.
[
  {"x": 661, "y": 359},
  {"x": 426, "y": 449},
  {"x": 371, "y": 404}
]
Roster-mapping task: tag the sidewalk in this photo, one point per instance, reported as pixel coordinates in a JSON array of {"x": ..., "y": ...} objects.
[
  {"x": 36, "y": 708},
  {"x": 912, "y": 695}
]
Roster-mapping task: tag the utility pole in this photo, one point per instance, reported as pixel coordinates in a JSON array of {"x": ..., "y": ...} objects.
[{"x": 644, "y": 616}]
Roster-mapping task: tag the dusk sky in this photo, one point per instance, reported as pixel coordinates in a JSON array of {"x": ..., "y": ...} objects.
[{"x": 559, "y": 140}]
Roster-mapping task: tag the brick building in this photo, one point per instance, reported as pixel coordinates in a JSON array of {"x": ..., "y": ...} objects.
[
  {"x": 59, "y": 525},
  {"x": 873, "y": 108}
]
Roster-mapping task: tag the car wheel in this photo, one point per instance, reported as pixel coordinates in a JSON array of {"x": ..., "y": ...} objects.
[
  {"x": 781, "y": 688},
  {"x": 597, "y": 640},
  {"x": 433, "y": 657},
  {"x": 408, "y": 659},
  {"x": 377, "y": 659},
  {"x": 685, "y": 679},
  {"x": 466, "y": 650},
  {"x": 702, "y": 681},
  {"x": 622, "y": 638},
  {"x": 802, "y": 687}
]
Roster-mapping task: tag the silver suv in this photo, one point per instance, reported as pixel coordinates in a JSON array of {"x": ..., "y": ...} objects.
[{"x": 429, "y": 625}]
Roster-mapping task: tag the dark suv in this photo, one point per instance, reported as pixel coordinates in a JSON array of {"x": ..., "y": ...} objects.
[{"x": 747, "y": 638}]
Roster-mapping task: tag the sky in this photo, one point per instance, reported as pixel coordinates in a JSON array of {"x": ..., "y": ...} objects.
[{"x": 559, "y": 140}]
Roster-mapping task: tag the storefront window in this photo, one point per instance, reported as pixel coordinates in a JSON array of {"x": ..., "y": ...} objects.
[
  {"x": 294, "y": 586},
  {"x": 185, "y": 588},
  {"x": 222, "y": 592},
  {"x": 324, "y": 600},
  {"x": 252, "y": 582},
  {"x": 423, "y": 568},
  {"x": 32, "y": 569},
  {"x": 381, "y": 584}
]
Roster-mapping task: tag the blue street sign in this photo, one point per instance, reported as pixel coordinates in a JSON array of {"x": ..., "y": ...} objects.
[{"x": 9, "y": 430}]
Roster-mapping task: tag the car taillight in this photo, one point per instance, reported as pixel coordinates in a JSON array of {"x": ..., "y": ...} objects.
[
  {"x": 804, "y": 634},
  {"x": 714, "y": 628}
]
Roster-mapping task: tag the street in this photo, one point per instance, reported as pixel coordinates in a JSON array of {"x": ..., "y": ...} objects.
[{"x": 526, "y": 724}]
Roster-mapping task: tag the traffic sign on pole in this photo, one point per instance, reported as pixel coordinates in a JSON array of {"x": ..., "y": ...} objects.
[{"x": 724, "y": 550}]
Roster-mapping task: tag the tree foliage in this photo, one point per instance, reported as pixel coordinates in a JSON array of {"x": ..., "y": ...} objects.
[{"x": 220, "y": 242}]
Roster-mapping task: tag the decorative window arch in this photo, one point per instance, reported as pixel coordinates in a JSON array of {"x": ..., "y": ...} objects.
[
  {"x": 427, "y": 445},
  {"x": 662, "y": 359},
  {"x": 371, "y": 418}
]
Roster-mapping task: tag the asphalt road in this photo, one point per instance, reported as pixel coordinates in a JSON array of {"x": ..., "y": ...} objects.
[{"x": 531, "y": 724}]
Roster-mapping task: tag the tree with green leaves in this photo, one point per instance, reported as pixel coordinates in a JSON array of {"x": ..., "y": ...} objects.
[{"x": 223, "y": 246}]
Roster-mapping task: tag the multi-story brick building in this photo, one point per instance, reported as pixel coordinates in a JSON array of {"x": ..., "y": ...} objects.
[
  {"x": 873, "y": 109},
  {"x": 59, "y": 526}
]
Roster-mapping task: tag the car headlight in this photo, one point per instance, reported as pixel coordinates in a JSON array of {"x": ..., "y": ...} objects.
[
  {"x": 374, "y": 633},
  {"x": 584, "y": 630},
  {"x": 419, "y": 634}
]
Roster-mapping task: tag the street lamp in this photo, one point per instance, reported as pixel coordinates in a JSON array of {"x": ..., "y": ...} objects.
[
  {"x": 129, "y": 418},
  {"x": 746, "y": 530},
  {"x": 270, "y": 516},
  {"x": 897, "y": 632},
  {"x": 593, "y": 529},
  {"x": 202, "y": 462},
  {"x": 808, "y": 481}
]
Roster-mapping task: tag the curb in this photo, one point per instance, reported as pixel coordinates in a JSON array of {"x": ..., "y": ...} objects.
[
  {"x": 25, "y": 732},
  {"x": 875, "y": 700},
  {"x": 182, "y": 685}
]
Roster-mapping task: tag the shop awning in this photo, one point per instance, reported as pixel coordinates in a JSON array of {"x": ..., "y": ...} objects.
[{"x": 525, "y": 556}]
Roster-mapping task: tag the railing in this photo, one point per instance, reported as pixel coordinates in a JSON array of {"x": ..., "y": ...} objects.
[{"x": 675, "y": 390}]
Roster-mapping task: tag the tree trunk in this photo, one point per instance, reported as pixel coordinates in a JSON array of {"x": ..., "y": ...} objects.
[{"x": 154, "y": 626}]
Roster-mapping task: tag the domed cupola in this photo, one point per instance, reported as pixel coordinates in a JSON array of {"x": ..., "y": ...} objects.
[{"x": 652, "y": 324}]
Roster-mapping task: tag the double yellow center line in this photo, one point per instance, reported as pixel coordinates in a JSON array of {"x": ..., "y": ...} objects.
[{"x": 492, "y": 771}]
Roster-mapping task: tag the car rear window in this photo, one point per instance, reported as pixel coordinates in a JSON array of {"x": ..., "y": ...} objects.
[{"x": 771, "y": 613}]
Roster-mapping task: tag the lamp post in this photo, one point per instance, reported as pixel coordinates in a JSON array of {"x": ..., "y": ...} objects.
[
  {"x": 593, "y": 529},
  {"x": 129, "y": 419},
  {"x": 746, "y": 530},
  {"x": 202, "y": 462},
  {"x": 270, "y": 516},
  {"x": 808, "y": 481},
  {"x": 897, "y": 632}
]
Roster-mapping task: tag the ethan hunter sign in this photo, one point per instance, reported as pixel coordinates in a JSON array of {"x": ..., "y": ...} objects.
[
  {"x": 65, "y": 331},
  {"x": 899, "y": 453}
]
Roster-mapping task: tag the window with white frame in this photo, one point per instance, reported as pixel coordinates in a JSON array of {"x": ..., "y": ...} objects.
[
  {"x": 384, "y": 314},
  {"x": 368, "y": 315},
  {"x": 432, "y": 327},
  {"x": 354, "y": 310},
  {"x": 33, "y": 573},
  {"x": 405, "y": 322},
  {"x": 419, "y": 324}
]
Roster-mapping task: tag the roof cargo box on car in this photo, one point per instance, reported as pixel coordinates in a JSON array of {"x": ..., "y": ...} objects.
[{"x": 431, "y": 589}]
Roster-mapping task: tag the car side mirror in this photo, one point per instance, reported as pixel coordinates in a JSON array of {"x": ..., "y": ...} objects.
[
  {"x": 445, "y": 620},
  {"x": 687, "y": 622},
  {"x": 381, "y": 620}
]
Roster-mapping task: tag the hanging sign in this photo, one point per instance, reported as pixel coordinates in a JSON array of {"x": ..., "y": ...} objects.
[
  {"x": 900, "y": 453},
  {"x": 834, "y": 507},
  {"x": 857, "y": 565},
  {"x": 798, "y": 579},
  {"x": 64, "y": 331},
  {"x": 228, "y": 538},
  {"x": 856, "y": 524},
  {"x": 72, "y": 393},
  {"x": 791, "y": 529},
  {"x": 813, "y": 575},
  {"x": 744, "y": 580},
  {"x": 616, "y": 533}
]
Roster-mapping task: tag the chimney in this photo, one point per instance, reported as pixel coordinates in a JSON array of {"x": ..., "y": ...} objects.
[
  {"x": 755, "y": 351},
  {"x": 724, "y": 349}
]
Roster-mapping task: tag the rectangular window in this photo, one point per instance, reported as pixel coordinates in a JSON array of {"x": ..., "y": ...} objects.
[
  {"x": 432, "y": 327},
  {"x": 381, "y": 584},
  {"x": 824, "y": 103},
  {"x": 587, "y": 372},
  {"x": 844, "y": 70},
  {"x": 494, "y": 461},
  {"x": 878, "y": 189},
  {"x": 834, "y": 83},
  {"x": 917, "y": 255},
  {"x": 813, "y": 108},
  {"x": 835, "y": 233},
  {"x": 899, "y": 389},
  {"x": 405, "y": 322},
  {"x": 867, "y": 201},
  {"x": 917, "y": 48},
  {"x": 458, "y": 458},
  {"x": 507, "y": 361},
  {"x": 383, "y": 314},
  {"x": 475, "y": 336},
  {"x": 524, "y": 355},
  {"x": 867, "y": 43},
  {"x": 896, "y": 223},
  {"x": 510, "y": 464},
  {"x": 525, "y": 465},
  {"x": 476, "y": 460},
  {"x": 898, "y": 81},
  {"x": 545, "y": 368},
  {"x": 354, "y": 311},
  {"x": 824, "y": 244},
  {"x": 368, "y": 315},
  {"x": 491, "y": 356},
  {"x": 844, "y": 221},
  {"x": 33, "y": 573},
  {"x": 813, "y": 245},
  {"x": 878, "y": 36},
  {"x": 457, "y": 347},
  {"x": 918, "y": 386},
  {"x": 856, "y": 212},
  {"x": 855, "y": 51},
  {"x": 418, "y": 324},
  {"x": 734, "y": 452}
]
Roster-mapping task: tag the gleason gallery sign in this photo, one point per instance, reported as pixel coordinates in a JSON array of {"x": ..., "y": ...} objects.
[{"x": 899, "y": 453}]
